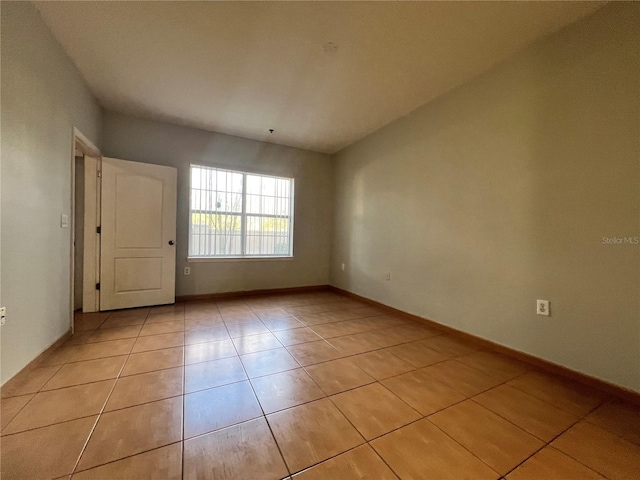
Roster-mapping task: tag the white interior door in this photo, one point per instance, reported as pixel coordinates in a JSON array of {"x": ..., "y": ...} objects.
[{"x": 138, "y": 228}]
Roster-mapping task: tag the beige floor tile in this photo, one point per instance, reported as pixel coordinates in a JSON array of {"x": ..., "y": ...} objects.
[
  {"x": 354, "y": 344},
  {"x": 529, "y": 413},
  {"x": 79, "y": 315},
  {"x": 270, "y": 313},
  {"x": 162, "y": 463},
  {"x": 165, "y": 317},
  {"x": 87, "y": 324},
  {"x": 374, "y": 410},
  {"x": 78, "y": 338},
  {"x": 320, "y": 318},
  {"x": 238, "y": 317},
  {"x": 449, "y": 345},
  {"x": 495, "y": 441},
  {"x": 423, "y": 392},
  {"x": 415, "y": 331},
  {"x": 568, "y": 396},
  {"x": 90, "y": 351},
  {"x": 106, "y": 334},
  {"x": 200, "y": 308},
  {"x": 296, "y": 336},
  {"x": 48, "y": 452},
  {"x": 387, "y": 321},
  {"x": 205, "y": 335},
  {"x": 120, "y": 322},
  {"x": 422, "y": 451},
  {"x": 602, "y": 451},
  {"x": 551, "y": 463},
  {"x": 365, "y": 324},
  {"x": 339, "y": 375},
  {"x": 197, "y": 322},
  {"x": 361, "y": 463},
  {"x": 620, "y": 418},
  {"x": 311, "y": 433},
  {"x": 382, "y": 364},
  {"x": 367, "y": 311},
  {"x": 302, "y": 310},
  {"x": 286, "y": 389},
  {"x": 219, "y": 407},
  {"x": 268, "y": 362},
  {"x": 131, "y": 313},
  {"x": 256, "y": 343},
  {"x": 146, "y": 387},
  {"x": 495, "y": 365},
  {"x": 244, "y": 451},
  {"x": 158, "y": 342},
  {"x": 246, "y": 329},
  {"x": 9, "y": 408},
  {"x": 85, "y": 372},
  {"x": 163, "y": 327},
  {"x": 201, "y": 376},
  {"x": 28, "y": 381},
  {"x": 177, "y": 307},
  {"x": 336, "y": 329},
  {"x": 56, "y": 406},
  {"x": 205, "y": 352},
  {"x": 466, "y": 380},
  {"x": 284, "y": 323},
  {"x": 417, "y": 354},
  {"x": 386, "y": 337},
  {"x": 153, "y": 360},
  {"x": 134, "y": 430}
]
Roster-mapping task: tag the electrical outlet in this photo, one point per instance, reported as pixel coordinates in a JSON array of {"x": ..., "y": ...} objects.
[
  {"x": 3, "y": 315},
  {"x": 342, "y": 267},
  {"x": 387, "y": 276},
  {"x": 542, "y": 308},
  {"x": 187, "y": 270}
]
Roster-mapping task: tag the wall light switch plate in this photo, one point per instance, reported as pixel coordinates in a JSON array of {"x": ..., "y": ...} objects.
[
  {"x": 387, "y": 276},
  {"x": 342, "y": 267},
  {"x": 3, "y": 315},
  {"x": 64, "y": 220},
  {"x": 542, "y": 307}
]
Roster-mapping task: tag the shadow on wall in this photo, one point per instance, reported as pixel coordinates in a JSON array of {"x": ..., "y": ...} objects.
[{"x": 499, "y": 193}]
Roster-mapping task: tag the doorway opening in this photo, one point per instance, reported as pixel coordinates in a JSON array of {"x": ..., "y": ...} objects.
[{"x": 83, "y": 219}]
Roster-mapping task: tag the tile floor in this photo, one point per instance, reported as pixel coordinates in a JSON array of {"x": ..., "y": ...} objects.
[{"x": 307, "y": 386}]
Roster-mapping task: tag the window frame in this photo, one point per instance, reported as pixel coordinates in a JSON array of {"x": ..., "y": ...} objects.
[{"x": 243, "y": 217}]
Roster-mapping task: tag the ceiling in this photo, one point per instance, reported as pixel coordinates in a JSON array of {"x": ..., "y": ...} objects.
[{"x": 321, "y": 74}]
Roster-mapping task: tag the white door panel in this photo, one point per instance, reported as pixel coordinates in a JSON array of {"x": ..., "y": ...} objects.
[{"x": 138, "y": 233}]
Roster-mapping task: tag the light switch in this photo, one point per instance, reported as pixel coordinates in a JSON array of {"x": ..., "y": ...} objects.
[{"x": 64, "y": 220}]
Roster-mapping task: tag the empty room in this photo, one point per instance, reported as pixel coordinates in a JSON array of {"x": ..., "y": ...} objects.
[{"x": 319, "y": 240}]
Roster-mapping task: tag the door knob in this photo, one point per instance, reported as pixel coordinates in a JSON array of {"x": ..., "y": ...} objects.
[{"x": 171, "y": 242}]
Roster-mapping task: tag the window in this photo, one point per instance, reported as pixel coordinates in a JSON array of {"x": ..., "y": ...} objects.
[{"x": 237, "y": 214}]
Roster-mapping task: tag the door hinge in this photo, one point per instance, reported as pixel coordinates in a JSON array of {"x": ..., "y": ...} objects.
[
  {"x": 99, "y": 230},
  {"x": 97, "y": 286},
  {"x": 99, "y": 173}
]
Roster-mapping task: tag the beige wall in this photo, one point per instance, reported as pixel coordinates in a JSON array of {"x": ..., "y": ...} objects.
[
  {"x": 43, "y": 98},
  {"x": 500, "y": 192},
  {"x": 129, "y": 138}
]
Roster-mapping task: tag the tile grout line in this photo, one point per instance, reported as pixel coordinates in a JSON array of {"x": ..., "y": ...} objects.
[
  {"x": 184, "y": 394},
  {"x": 581, "y": 417},
  {"x": 95, "y": 425},
  {"x": 275, "y": 440}
]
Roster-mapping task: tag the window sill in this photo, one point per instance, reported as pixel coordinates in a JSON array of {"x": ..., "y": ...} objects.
[{"x": 236, "y": 259}]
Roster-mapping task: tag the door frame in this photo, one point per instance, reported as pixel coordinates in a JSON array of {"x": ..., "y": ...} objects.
[{"x": 79, "y": 144}]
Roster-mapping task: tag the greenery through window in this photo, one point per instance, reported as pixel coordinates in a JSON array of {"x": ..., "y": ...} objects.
[{"x": 238, "y": 214}]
